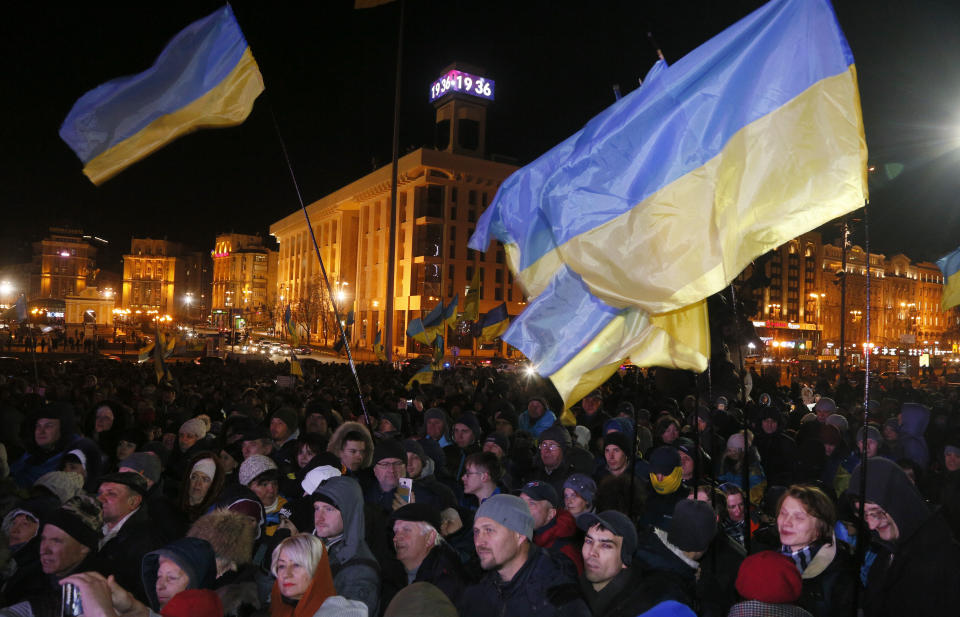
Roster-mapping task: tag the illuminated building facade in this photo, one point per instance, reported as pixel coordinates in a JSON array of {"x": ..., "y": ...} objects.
[
  {"x": 63, "y": 264},
  {"x": 161, "y": 277},
  {"x": 441, "y": 193},
  {"x": 244, "y": 279},
  {"x": 799, "y": 313}
]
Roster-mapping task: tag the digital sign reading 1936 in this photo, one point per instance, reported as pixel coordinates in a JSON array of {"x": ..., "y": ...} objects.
[{"x": 465, "y": 83}]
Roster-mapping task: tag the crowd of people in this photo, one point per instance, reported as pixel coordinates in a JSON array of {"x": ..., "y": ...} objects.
[{"x": 228, "y": 491}]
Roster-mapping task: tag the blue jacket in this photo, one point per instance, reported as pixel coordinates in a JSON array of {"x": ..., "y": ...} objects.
[{"x": 547, "y": 420}]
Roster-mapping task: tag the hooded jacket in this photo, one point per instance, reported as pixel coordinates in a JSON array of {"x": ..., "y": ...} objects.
[
  {"x": 356, "y": 575},
  {"x": 914, "y": 420},
  {"x": 193, "y": 555},
  {"x": 916, "y": 574},
  {"x": 336, "y": 441}
]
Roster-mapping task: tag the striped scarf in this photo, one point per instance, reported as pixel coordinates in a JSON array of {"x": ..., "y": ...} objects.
[{"x": 803, "y": 557}]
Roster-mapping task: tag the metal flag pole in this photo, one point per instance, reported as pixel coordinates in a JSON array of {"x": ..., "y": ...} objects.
[
  {"x": 746, "y": 441},
  {"x": 392, "y": 248},
  {"x": 323, "y": 269},
  {"x": 861, "y": 545}
]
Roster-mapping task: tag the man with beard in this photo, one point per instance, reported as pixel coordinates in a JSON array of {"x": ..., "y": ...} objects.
[{"x": 522, "y": 579}]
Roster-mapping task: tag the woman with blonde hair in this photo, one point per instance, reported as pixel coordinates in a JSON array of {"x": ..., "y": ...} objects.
[{"x": 303, "y": 582}]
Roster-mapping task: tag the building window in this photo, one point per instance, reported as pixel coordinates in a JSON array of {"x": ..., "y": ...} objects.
[
  {"x": 498, "y": 294},
  {"x": 498, "y": 276},
  {"x": 472, "y": 198},
  {"x": 453, "y": 194}
]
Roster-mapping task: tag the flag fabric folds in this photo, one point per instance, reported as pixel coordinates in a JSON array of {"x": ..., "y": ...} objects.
[
  {"x": 291, "y": 326},
  {"x": 206, "y": 76},
  {"x": 378, "y": 349},
  {"x": 145, "y": 352},
  {"x": 751, "y": 139},
  {"x": 438, "y": 351},
  {"x": 950, "y": 266},
  {"x": 427, "y": 328},
  {"x": 450, "y": 311},
  {"x": 295, "y": 368},
  {"x": 494, "y": 324},
  {"x": 424, "y": 375},
  {"x": 471, "y": 298}
]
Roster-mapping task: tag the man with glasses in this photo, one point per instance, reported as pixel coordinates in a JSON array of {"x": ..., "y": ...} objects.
[
  {"x": 913, "y": 557},
  {"x": 389, "y": 465},
  {"x": 551, "y": 465},
  {"x": 482, "y": 472}
]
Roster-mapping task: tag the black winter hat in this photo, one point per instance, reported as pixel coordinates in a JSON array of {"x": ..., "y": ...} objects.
[{"x": 693, "y": 526}]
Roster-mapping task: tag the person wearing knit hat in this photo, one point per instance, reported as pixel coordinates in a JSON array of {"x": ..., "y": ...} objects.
[
  {"x": 692, "y": 528},
  {"x": 554, "y": 528},
  {"x": 260, "y": 474},
  {"x": 730, "y": 467},
  {"x": 873, "y": 440},
  {"x": 505, "y": 420},
  {"x": 144, "y": 463},
  {"x": 389, "y": 465},
  {"x": 65, "y": 485},
  {"x": 769, "y": 584},
  {"x": 578, "y": 493},
  {"x": 284, "y": 426},
  {"x": 498, "y": 443},
  {"x": 53, "y": 429},
  {"x": 609, "y": 583},
  {"x": 840, "y": 422},
  {"x": 416, "y": 457},
  {"x": 824, "y": 408},
  {"x": 391, "y": 422},
  {"x": 503, "y": 533},
  {"x": 466, "y": 430},
  {"x": 69, "y": 536},
  {"x": 537, "y": 418},
  {"x": 436, "y": 424},
  {"x": 191, "y": 431},
  {"x": 616, "y": 453}
]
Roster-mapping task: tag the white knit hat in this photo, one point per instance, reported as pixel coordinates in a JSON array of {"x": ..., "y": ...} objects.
[
  {"x": 194, "y": 426},
  {"x": 253, "y": 466}
]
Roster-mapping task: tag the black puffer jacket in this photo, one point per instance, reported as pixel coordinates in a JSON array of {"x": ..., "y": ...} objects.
[{"x": 544, "y": 586}]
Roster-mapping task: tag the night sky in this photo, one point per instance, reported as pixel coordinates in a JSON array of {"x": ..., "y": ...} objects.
[{"x": 329, "y": 73}]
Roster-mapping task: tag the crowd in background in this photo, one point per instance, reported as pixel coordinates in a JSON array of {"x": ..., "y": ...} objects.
[{"x": 227, "y": 491}]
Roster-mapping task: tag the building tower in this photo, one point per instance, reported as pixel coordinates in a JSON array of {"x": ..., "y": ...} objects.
[{"x": 460, "y": 97}]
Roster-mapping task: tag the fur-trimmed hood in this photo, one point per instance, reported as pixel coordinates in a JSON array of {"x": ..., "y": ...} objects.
[
  {"x": 336, "y": 441},
  {"x": 231, "y": 534}
]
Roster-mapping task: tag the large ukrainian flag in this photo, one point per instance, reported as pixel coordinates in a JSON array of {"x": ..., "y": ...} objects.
[
  {"x": 205, "y": 77},
  {"x": 621, "y": 231}
]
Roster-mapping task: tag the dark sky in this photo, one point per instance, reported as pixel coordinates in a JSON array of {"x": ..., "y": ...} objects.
[{"x": 329, "y": 72}]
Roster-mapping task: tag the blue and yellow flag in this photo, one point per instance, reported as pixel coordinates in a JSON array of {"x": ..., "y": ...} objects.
[
  {"x": 291, "y": 326},
  {"x": 438, "y": 351},
  {"x": 471, "y": 298},
  {"x": 427, "y": 328},
  {"x": 145, "y": 352},
  {"x": 950, "y": 266},
  {"x": 450, "y": 311},
  {"x": 494, "y": 324},
  {"x": 424, "y": 375},
  {"x": 753, "y": 138},
  {"x": 378, "y": 349},
  {"x": 295, "y": 368},
  {"x": 205, "y": 77}
]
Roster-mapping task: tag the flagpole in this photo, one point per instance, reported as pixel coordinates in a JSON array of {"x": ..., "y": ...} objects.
[
  {"x": 392, "y": 248},
  {"x": 323, "y": 269},
  {"x": 861, "y": 546}
]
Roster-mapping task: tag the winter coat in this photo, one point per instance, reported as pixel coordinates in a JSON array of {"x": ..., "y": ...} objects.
[
  {"x": 913, "y": 424},
  {"x": 778, "y": 451},
  {"x": 559, "y": 536},
  {"x": 543, "y": 586},
  {"x": 442, "y": 567},
  {"x": 356, "y": 575},
  {"x": 535, "y": 427},
  {"x": 829, "y": 581},
  {"x": 122, "y": 554},
  {"x": 670, "y": 575},
  {"x": 628, "y": 594}
]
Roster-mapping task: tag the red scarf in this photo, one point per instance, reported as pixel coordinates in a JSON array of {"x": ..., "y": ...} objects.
[{"x": 320, "y": 588}]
